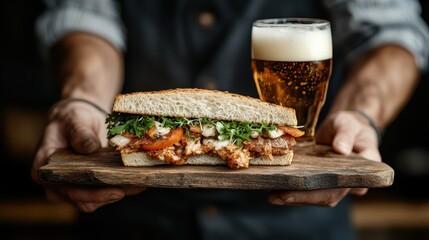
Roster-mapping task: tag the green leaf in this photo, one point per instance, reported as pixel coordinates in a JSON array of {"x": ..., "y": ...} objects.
[{"x": 237, "y": 132}]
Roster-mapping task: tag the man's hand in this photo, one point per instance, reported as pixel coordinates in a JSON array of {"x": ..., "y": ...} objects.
[
  {"x": 346, "y": 132},
  {"x": 82, "y": 127},
  {"x": 380, "y": 84}
]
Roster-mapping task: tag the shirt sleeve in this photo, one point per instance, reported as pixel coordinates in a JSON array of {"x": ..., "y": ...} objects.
[
  {"x": 99, "y": 17},
  {"x": 359, "y": 25}
]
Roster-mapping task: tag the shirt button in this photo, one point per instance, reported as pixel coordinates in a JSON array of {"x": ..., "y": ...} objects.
[{"x": 206, "y": 19}]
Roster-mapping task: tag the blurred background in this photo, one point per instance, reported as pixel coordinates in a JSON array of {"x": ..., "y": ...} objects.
[{"x": 398, "y": 212}]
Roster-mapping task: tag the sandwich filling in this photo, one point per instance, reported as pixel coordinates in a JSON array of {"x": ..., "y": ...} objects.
[{"x": 175, "y": 139}]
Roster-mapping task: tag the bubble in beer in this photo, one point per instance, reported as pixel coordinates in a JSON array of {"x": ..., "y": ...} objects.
[{"x": 292, "y": 67}]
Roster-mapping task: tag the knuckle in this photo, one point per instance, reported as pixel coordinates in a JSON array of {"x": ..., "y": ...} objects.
[{"x": 343, "y": 118}]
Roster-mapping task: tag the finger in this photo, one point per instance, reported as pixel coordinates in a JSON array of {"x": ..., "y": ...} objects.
[
  {"x": 367, "y": 145},
  {"x": 344, "y": 139},
  {"x": 50, "y": 141},
  {"x": 88, "y": 199},
  {"x": 89, "y": 207},
  {"x": 371, "y": 154},
  {"x": 358, "y": 191},
  {"x": 82, "y": 127},
  {"x": 337, "y": 131},
  {"x": 98, "y": 195},
  {"x": 323, "y": 197},
  {"x": 129, "y": 191},
  {"x": 94, "y": 205}
]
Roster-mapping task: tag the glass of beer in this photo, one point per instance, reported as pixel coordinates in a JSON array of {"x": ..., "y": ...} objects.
[{"x": 292, "y": 66}]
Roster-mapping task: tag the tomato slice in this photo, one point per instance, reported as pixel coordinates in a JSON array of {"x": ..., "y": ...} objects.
[
  {"x": 169, "y": 140},
  {"x": 294, "y": 132}
]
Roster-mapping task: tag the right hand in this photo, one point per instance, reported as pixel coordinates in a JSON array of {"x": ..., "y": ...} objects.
[
  {"x": 81, "y": 127},
  {"x": 346, "y": 132}
]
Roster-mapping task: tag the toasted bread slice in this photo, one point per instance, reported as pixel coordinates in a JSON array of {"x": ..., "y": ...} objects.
[{"x": 202, "y": 103}]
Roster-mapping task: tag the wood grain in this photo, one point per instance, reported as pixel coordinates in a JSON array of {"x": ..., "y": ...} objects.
[{"x": 315, "y": 167}]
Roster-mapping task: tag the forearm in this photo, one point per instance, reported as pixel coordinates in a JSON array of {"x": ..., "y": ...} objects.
[
  {"x": 87, "y": 67},
  {"x": 379, "y": 84}
]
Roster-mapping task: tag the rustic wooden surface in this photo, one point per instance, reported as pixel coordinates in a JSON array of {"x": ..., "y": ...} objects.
[{"x": 314, "y": 167}]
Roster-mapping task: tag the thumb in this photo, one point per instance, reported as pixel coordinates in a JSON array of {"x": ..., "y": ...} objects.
[
  {"x": 340, "y": 130},
  {"x": 343, "y": 141},
  {"x": 83, "y": 131},
  {"x": 83, "y": 138}
]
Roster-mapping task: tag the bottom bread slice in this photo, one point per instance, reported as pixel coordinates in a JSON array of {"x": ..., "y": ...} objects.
[{"x": 137, "y": 159}]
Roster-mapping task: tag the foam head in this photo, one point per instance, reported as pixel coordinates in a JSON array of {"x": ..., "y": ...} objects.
[{"x": 291, "y": 41}]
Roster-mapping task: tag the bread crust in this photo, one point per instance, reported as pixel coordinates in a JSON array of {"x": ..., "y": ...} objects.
[
  {"x": 203, "y": 103},
  {"x": 141, "y": 159}
]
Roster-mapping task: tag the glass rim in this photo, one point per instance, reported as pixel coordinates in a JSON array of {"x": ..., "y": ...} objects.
[{"x": 290, "y": 22}]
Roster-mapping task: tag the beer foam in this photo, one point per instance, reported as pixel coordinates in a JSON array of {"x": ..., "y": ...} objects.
[{"x": 291, "y": 44}]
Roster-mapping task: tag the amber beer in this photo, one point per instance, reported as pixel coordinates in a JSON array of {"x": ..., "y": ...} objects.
[{"x": 292, "y": 65}]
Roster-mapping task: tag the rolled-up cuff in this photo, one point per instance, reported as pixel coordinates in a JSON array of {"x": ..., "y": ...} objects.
[
  {"x": 406, "y": 38},
  {"x": 52, "y": 26}
]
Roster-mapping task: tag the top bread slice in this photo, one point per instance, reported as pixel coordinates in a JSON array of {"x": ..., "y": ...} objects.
[{"x": 203, "y": 103}]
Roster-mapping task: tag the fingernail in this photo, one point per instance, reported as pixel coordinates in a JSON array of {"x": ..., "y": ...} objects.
[
  {"x": 277, "y": 201},
  {"x": 342, "y": 147},
  {"x": 290, "y": 200},
  {"x": 113, "y": 197},
  {"x": 88, "y": 143}
]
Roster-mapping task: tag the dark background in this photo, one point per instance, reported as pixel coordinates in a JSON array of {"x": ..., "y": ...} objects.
[{"x": 27, "y": 93}]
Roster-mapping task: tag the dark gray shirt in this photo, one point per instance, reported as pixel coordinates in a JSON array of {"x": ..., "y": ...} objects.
[{"x": 204, "y": 43}]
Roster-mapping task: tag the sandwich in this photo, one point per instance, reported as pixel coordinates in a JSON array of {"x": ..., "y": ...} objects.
[{"x": 200, "y": 127}]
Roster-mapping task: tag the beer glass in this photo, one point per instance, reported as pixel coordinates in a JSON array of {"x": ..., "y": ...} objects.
[{"x": 292, "y": 66}]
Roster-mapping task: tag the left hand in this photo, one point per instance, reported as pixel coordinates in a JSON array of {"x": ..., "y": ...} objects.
[
  {"x": 80, "y": 127},
  {"x": 346, "y": 132}
]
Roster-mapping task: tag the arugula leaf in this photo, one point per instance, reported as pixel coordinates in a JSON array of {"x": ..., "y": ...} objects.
[
  {"x": 118, "y": 123},
  {"x": 236, "y": 132}
]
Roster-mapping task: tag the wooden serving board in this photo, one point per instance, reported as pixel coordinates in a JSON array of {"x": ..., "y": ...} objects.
[{"x": 314, "y": 167}]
